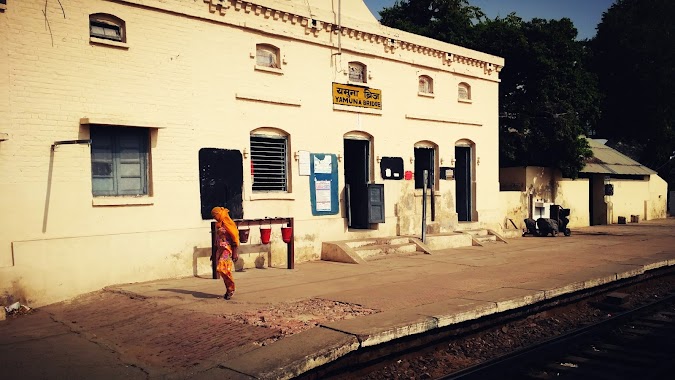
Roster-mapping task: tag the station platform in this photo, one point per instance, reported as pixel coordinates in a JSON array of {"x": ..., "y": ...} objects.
[{"x": 282, "y": 323}]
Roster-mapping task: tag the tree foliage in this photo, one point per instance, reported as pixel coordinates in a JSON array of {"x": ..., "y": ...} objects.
[
  {"x": 547, "y": 97},
  {"x": 634, "y": 56}
]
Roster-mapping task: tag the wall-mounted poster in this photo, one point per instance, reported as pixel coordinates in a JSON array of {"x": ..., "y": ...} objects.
[{"x": 323, "y": 184}]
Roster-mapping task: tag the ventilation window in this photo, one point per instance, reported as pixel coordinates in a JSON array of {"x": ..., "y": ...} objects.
[
  {"x": 269, "y": 163},
  {"x": 426, "y": 85},
  {"x": 267, "y": 56},
  {"x": 464, "y": 92},
  {"x": 357, "y": 72},
  {"x": 107, "y": 27}
]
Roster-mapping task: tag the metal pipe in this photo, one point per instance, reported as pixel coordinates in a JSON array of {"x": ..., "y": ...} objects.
[
  {"x": 67, "y": 142},
  {"x": 339, "y": 27},
  {"x": 425, "y": 175}
]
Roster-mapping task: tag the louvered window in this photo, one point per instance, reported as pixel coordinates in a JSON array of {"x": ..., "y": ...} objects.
[
  {"x": 269, "y": 163},
  {"x": 464, "y": 91},
  {"x": 119, "y": 161},
  {"x": 425, "y": 85},
  {"x": 267, "y": 56}
]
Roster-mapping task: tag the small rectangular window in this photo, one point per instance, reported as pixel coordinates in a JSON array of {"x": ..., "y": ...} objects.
[
  {"x": 119, "y": 161},
  {"x": 106, "y": 31},
  {"x": 269, "y": 169}
]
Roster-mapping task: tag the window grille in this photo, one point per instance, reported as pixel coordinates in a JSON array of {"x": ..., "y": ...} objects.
[
  {"x": 267, "y": 56},
  {"x": 269, "y": 169},
  {"x": 357, "y": 72},
  {"x": 426, "y": 85}
]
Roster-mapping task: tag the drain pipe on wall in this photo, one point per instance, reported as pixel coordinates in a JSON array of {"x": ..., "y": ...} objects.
[
  {"x": 425, "y": 175},
  {"x": 69, "y": 142}
]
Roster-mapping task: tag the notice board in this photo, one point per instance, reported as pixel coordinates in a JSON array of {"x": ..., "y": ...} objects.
[{"x": 323, "y": 184}]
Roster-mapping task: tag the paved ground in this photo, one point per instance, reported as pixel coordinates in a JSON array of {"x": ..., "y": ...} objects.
[{"x": 283, "y": 322}]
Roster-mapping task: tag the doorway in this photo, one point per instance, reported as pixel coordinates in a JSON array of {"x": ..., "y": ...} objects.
[
  {"x": 424, "y": 160},
  {"x": 357, "y": 177},
  {"x": 463, "y": 190}
]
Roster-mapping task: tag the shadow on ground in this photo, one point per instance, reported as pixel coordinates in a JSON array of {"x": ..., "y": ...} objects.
[{"x": 192, "y": 293}]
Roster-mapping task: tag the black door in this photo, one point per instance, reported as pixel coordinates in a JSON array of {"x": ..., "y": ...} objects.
[
  {"x": 221, "y": 178},
  {"x": 424, "y": 160},
  {"x": 356, "y": 180},
  {"x": 463, "y": 182}
]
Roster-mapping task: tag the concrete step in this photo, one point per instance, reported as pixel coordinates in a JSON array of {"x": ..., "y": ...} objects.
[
  {"x": 373, "y": 252},
  {"x": 477, "y": 232},
  {"x": 354, "y": 244},
  {"x": 486, "y": 239}
]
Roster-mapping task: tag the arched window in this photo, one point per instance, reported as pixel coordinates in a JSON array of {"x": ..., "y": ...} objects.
[
  {"x": 107, "y": 26},
  {"x": 464, "y": 91},
  {"x": 267, "y": 56},
  {"x": 269, "y": 160},
  {"x": 357, "y": 72},
  {"x": 426, "y": 85}
]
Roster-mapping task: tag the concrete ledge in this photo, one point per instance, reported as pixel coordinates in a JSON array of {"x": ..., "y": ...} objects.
[
  {"x": 294, "y": 355},
  {"x": 457, "y": 310},
  {"x": 383, "y": 327},
  {"x": 510, "y": 298}
]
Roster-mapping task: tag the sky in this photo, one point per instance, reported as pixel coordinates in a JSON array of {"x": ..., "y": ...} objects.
[{"x": 585, "y": 14}]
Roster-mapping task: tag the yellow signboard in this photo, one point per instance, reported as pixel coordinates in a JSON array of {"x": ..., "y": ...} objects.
[{"x": 357, "y": 96}]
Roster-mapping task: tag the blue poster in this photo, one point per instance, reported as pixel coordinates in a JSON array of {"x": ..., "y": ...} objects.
[{"x": 323, "y": 184}]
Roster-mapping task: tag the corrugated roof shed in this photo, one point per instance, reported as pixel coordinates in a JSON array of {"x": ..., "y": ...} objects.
[{"x": 606, "y": 160}]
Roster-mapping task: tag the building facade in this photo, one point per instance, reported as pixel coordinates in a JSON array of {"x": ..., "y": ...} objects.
[{"x": 124, "y": 121}]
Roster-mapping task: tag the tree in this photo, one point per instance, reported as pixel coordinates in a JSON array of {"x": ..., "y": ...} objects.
[
  {"x": 548, "y": 99},
  {"x": 634, "y": 59},
  {"x": 547, "y": 96},
  {"x": 445, "y": 20}
]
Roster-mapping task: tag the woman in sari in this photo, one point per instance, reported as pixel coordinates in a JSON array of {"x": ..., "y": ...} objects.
[{"x": 227, "y": 243}]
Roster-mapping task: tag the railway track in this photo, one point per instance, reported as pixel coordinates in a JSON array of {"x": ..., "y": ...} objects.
[
  {"x": 545, "y": 340},
  {"x": 635, "y": 344}
]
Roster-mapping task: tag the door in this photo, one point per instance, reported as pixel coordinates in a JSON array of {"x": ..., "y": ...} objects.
[
  {"x": 221, "y": 178},
  {"x": 424, "y": 160},
  {"x": 463, "y": 183},
  {"x": 357, "y": 157}
]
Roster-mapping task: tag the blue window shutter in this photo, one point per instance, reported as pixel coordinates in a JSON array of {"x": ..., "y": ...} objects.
[
  {"x": 119, "y": 160},
  {"x": 131, "y": 157}
]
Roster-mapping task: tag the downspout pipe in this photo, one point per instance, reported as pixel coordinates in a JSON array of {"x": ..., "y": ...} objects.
[{"x": 70, "y": 142}]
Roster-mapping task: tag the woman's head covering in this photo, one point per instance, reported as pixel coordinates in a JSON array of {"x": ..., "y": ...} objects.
[{"x": 222, "y": 216}]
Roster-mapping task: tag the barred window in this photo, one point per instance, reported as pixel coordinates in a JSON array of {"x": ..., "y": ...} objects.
[
  {"x": 267, "y": 56},
  {"x": 426, "y": 85},
  {"x": 357, "y": 72},
  {"x": 464, "y": 91},
  {"x": 269, "y": 159},
  {"x": 107, "y": 26}
]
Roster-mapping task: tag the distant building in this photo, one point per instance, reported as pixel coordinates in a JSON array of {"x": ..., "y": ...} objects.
[
  {"x": 124, "y": 122},
  {"x": 610, "y": 187}
]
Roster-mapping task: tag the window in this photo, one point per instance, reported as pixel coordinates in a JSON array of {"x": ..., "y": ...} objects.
[
  {"x": 464, "y": 91},
  {"x": 107, "y": 27},
  {"x": 269, "y": 158},
  {"x": 426, "y": 85},
  {"x": 119, "y": 161},
  {"x": 267, "y": 56},
  {"x": 357, "y": 72}
]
